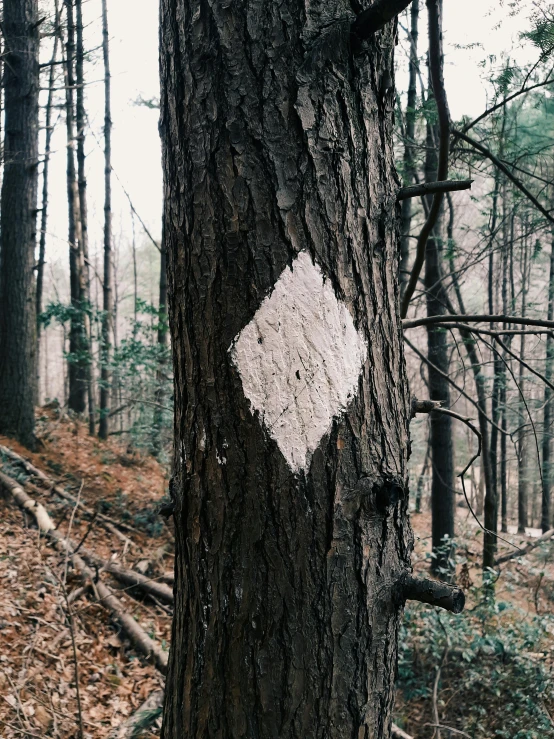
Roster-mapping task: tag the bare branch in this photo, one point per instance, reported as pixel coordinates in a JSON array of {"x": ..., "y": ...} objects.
[
  {"x": 430, "y": 188},
  {"x": 433, "y": 592},
  {"x": 372, "y": 19},
  {"x": 476, "y": 318},
  {"x": 529, "y": 548}
]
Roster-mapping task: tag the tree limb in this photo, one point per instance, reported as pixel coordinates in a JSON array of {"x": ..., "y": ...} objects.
[
  {"x": 429, "y": 188},
  {"x": 522, "y": 552},
  {"x": 476, "y": 318},
  {"x": 372, "y": 19}
]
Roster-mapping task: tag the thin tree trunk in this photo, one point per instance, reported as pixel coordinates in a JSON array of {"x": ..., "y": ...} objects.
[
  {"x": 45, "y": 173},
  {"x": 523, "y": 463},
  {"x": 409, "y": 163},
  {"x": 442, "y": 450},
  {"x": 507, "y": 241},
  {"x": 107, "y": 317},
  {"x": 83, "y": 210},
  {"x": 421, "y": 479},
  {"x": 18, "y": 216},
  {"x": 78, "y": 346},
  {"x": 486, "y": 478},
  {"x": 163, "y": 337},
  {"x": 546, "y": 514},
  {"x": 288, "y": 548}
]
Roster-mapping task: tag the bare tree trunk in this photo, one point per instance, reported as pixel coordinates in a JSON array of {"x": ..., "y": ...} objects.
[
  {"x": 291, "y": 532},
  {"x": 546, "y": 513},
  {"x": 45, "y": 173},
  {"x": 506, "y": 252},
  {"x": 421, "y": 479},
  {"x": 523, "y": 463},
  {"x": 409, "y": 163},
  {"x": 442, "y": 451},
  {"x": 163, "y": 337},
  {"x": 107, "y": 287},
  {"x": 18, "y": 216},
  {"x": 78, "y": 345},
  {"x": 83, "y": 209}
]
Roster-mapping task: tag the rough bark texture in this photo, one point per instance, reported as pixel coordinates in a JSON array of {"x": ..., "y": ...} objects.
[
  {"x": 442, "y": 451},
  {"x": 18, "y": 346},
  {"x": 277, "y": 139}
]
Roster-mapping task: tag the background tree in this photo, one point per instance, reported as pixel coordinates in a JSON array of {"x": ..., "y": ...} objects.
[{"x": 18, "y": 213}]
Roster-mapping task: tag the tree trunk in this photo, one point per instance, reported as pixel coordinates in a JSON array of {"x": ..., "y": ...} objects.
[
  {"x": 442, "y": 451},
  {"x": 45, "y": 173},
  {"x": 163, "y": 337},
  {"x": 523, "y": 462},
  {"x": 81, "y": 124},
  {"x": 290, "y": 446},
  {"x": 506, "y": 257},
  {"x": 18, "y": 215},
  {"x": 107, "y": 287},
  {"x": 78, "y": 345},
  {"x": 546, "y": 514},
  {"x": 409, "y": 163}
]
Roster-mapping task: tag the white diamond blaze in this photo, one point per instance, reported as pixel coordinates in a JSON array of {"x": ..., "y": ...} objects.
[{"x": 300, "y": 360}]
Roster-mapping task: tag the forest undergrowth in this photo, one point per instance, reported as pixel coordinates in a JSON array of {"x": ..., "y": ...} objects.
[{"x": 486, "y": 673}]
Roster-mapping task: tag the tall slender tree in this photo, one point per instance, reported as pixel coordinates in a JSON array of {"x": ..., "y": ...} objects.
[
  {"x": 442, "y": 448},
  {"x": 107, "y": 317},
  {"x": 79, "y": 350},
  {"x": 18, "y": 216},
  {"x": 409, "y": 146},
  {"x": 546, "y": 510},
  {"x": 83, "y": 209}
]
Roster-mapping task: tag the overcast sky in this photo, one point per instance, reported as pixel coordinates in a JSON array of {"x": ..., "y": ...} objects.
[{"x": 486, "y": 25}]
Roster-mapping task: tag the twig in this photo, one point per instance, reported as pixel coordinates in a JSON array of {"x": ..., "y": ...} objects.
[
  {"x": 449, "y": 728},
  {"x": 437, "y": 732},
  {"x": 397, "y": 733},
  {"x": 430, "y": 188},
  {"x": 506, "y": 170}
]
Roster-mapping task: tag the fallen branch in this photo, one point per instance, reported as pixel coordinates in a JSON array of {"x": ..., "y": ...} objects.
[
  {"x": 108, "y": 523},
  {"x": 529, "y": 548},
  {"x": 397, "y": 733},
  {"x": 142, "y": 718},
  {"x": 131, "y": 577},
  {"x": 134, "y": 631},
  {"x": 430, "y": 188}
]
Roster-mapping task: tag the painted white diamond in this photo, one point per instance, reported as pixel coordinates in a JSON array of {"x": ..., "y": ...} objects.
[{"x": 299, "y": 360}]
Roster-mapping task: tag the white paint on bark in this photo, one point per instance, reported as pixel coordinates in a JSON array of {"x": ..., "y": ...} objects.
[{"x": 300, "y": 360}]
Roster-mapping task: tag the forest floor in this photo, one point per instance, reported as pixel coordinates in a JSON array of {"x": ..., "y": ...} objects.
[{"x": 52, "y": 629}]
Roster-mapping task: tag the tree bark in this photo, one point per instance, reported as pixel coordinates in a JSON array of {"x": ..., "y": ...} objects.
[
  {"x": 409, "y": 163},
  {"x": 278, "y": 162},
  {"x": 18, "y": 215},
  {"x": 107, "y": 318},
  {"x": 546, "y": 513}
]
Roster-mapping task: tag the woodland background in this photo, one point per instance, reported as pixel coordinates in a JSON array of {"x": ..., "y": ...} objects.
[{"x": 69, "y": 668}]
